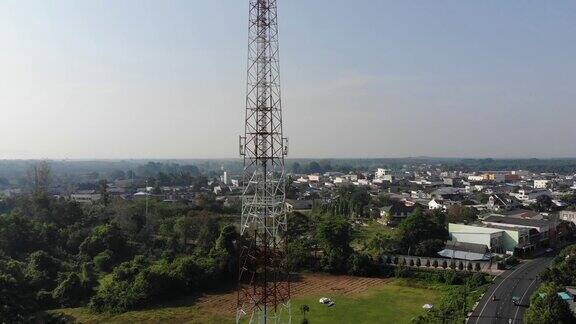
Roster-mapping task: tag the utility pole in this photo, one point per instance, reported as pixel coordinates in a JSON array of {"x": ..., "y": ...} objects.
[{"x": 264, "y": 288}]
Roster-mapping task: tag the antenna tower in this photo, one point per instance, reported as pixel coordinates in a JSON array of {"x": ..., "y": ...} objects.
[{"x": 264, "y": 288}]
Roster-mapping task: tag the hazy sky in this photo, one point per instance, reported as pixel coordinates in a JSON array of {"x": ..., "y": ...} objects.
[{"x": 372, "y": 78}]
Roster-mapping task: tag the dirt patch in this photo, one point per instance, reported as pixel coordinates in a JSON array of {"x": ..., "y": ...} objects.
[{"x": 301, "y": 286}]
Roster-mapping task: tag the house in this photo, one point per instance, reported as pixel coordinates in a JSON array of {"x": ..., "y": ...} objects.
[
  {"x": 466, "y": 251},
  {"x": 392, "y": 215},
  {"x": 86, "y": 196},
  {"x": 542, "y": 232},
  {"x": 480, "y": 234},
  {"x": 568, "y": 215},
  {"x": 314, "y": 178},
  {"x": 524, "y": 213},
  {"x": 384, "y": 175},
  {"x": 500, "y": 202},
  {"x": 528, "y": 196},
  {"x": 299, "y": 205},
  {"x": 541, "y": 184},
  {"x": 475, "y": 178},
  {"x": 436, "y": 204}
]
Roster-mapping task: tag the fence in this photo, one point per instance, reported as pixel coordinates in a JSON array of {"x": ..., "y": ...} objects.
[{"x": 437, "y": 263}]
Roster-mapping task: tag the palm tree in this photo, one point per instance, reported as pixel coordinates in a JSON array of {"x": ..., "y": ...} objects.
[{"x": 304, "y": 309}]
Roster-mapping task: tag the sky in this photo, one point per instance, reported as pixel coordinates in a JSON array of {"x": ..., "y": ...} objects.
[{"x": 375, "y": 78}]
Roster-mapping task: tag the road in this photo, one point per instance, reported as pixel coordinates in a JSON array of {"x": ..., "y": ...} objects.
[{"x": 521, "y": 282}]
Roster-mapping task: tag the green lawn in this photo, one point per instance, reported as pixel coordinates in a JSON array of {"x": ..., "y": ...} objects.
[
  {"x": 363, "y": 234},
  {"x": 396, "y": 302}
]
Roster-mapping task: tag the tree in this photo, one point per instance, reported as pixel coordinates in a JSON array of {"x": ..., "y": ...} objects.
[
  {"x": 104, "y": 261},
  {"x": 462, "y": 214},
  {"x": 183, "y": 227},
  {"x": 69, "y": 292},
  {"x": 105, "y": 237},
  {"x": 429, "y": 248},
  {"x": 543, "y": 203},
  {"x": 417, "y": 228},
  {"x": 333, "y": 234},
  {"x": 546, "y": 307},
  {"x": 296, "y": 168},
  {"x": 39, "y": 177},
  {"x": 103, "y": 191},
  {"x": 304, "y": 309},
  {"x": 42, "y": 269}
]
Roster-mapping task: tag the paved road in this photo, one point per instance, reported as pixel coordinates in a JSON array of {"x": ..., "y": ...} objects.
[{"x": 521, "y": 282}]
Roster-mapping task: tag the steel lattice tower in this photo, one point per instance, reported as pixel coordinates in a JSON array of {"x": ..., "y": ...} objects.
[{"x": 264, "y": 288}]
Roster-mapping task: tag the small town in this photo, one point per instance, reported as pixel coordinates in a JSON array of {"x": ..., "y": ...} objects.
[{"x": 287, "y": 162}]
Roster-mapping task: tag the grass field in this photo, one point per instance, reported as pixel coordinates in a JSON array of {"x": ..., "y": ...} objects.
[
  {"x": 396, "y": 302},
  {"x": 364, "y": 233},
  {"x": 372, "y": 300}
]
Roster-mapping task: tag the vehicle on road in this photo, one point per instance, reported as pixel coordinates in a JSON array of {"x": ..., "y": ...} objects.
[
  {"x": 548, "y": 250},
  {"x": 515, "y": 300}
]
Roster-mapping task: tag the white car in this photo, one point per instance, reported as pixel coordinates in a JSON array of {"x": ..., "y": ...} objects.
[
  {"x": 548, "y": 250},
  {"x": 326, "y": 301}
]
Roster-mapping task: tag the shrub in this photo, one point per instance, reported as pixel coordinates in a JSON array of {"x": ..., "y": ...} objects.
[
  {"x": 476, "y": 280},
  {"x": 411, "y": 262},
  {"x": 418, "y": 262},
  {"x": 435, "y": 264},
  {"x": 469, "y": 266},
  {"x": 477, "y": 266},
  {"x": 460, "y": 266},
  {"x": 451, "y": 278},
  {"x": 402, "y": 262},
  {"x": 395, "y": 260},
  {"x": 444, "y": 264},
  {"x": 401, "y": 272},
  {"x": 69, "y": 292},
  {"x": 388, "y": 259},
  {"x": 512, "y": 261},
  {"x": 104, "y": 261},
  {"x": 427, "y": 262},
  {"x": 360, "y": 265},
  {"x": 452, "y": 264}
]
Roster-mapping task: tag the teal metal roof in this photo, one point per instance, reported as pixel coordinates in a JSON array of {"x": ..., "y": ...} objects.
[{"x": 564, "y": 295}]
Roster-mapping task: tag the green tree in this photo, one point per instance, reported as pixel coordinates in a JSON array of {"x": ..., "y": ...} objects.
[
  {"x": 184, "y": 228},
  {"x": 462, "y": 214},
  {"x": 334, "y": 235},
  {"x": 103, "y": 191},
  {"x": 546, "y": 307},
  {"x": 417, "y": 228},
  {"x": 70, "y": 291}
]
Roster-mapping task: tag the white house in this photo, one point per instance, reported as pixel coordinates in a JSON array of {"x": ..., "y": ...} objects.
[
  {"x": 384, "y": 175},
  {"x": 86, "y": 197},
  {"x": 435, "y": 204},
  {"x": 541, "y": 184},
  {"x": 568, "y": 215},
  {"x": 314, "y": 177},
  {"x": 475, "y": 178}
]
